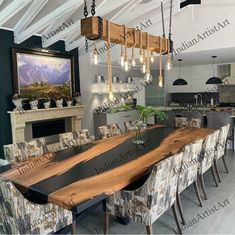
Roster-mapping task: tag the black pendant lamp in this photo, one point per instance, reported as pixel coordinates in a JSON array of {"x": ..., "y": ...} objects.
[
  {"x": 180, "y": 81},
  {"x": 214, "y": 79}
]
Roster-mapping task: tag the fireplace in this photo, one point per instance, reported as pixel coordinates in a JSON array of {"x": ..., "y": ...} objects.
[{"x": 46, "y": 123}]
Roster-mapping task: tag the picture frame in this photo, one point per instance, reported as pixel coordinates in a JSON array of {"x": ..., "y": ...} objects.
[{"x": 37, "y": 73}]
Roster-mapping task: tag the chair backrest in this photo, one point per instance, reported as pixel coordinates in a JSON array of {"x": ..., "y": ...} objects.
[
  {"x": 190, "y": 164},
  {"x": 128, "y": 125},
  {"x": 222, "y": 140},
  {"x": 159, "y": 190},
  {"x": 22, "y": 151},
  {"x": 109, "y": 131},
  {"x": 170, "y": 120},
  {"x": 76, "y": 138},
  {"x": 181, "y": 122},
  {"x": 208, "y": 152},
  {"x": 218, "y": 119},
  {"x": 195, "y": 118},
  {"x": 12, "y": 204}
]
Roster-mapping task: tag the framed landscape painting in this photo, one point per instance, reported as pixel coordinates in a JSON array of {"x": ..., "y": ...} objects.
[{"x": 39, "y": 73}]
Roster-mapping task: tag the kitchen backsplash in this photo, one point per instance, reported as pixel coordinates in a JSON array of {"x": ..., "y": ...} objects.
[{"x": 188, "y": 98}]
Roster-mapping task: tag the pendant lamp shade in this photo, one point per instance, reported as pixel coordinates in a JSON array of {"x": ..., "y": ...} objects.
[
  {"x": 180, "y": 81},
  {"x": 214, "y": 79}
]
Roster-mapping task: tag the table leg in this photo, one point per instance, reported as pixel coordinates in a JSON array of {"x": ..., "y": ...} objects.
[{"x": 74, "y": 225}]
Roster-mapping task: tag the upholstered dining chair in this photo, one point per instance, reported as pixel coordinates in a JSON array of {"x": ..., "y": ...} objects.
[
  {"x": 207, "y": 157},
  {"x": 148, "y": 202},
  {"x": 22, "y": 151},
  {"x": 189, "y": 172},
  {"x": 219, "y": 119},
  {"x": 181, "y": 122},
  {"x": 221, "y": 149},
  {"x": 75, "y": 138},
  {"x": 109, "y": 131},
  {"x": 195, "y": 118},
  {"x": 129, "y": 125},
  {"x": 20, "y": 216}
]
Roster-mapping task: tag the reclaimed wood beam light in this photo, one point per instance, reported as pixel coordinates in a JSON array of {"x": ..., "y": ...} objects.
[{"x": 90, "y": 29}]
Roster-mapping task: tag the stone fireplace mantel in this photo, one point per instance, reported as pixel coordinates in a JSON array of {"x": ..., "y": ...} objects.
[{"x": 19, "y": 121}]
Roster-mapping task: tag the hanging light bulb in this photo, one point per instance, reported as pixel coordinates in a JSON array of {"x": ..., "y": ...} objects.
[
  {"x": 152, "y": 57},
  {"x": 148, "y": 77},
  {"x": 141, "y": 56},
  {"x": 111, "y": 96},
  {"x": 168, "y": 64},
  {"x": 143, "y": 69},
  {"x": 133, "y": 63},
  {"x": 94, "y": 56},
  {"x": 126, "y": 65},
  {"x": 160, "y": 81},
  {"x": 122, "y": 59}
]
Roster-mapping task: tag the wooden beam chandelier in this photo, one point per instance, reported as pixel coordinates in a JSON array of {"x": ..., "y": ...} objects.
[{"x": 96, "y": 28}]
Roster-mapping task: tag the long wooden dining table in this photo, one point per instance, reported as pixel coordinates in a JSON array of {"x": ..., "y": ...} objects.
[{"x": 82, "y": 176}]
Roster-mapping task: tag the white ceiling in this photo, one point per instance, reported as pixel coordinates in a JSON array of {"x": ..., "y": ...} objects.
[{"x": 38, "y": 17}]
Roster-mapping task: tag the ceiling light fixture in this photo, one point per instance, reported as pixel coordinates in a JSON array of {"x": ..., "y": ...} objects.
[
  {"x": 214, "y": 79},
  {"x": 180, "y": 81}
]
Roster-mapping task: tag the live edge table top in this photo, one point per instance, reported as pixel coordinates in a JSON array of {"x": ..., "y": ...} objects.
[{"x": 71, "y": 177}]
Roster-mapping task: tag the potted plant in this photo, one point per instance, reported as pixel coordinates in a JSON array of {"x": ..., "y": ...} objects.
[
  {"x": 17, "y": 101},
  {"x": 46, "y": 100},
  {"x": 77, "y": 98},
  {"x": 58, "y": 99},
  {"x": 68, "y": 100},
  {"x": 141, "y": 124},
  {"x": 33, "y": 102}
]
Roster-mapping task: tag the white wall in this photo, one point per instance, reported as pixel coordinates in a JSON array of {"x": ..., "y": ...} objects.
[{"x": 87, "y": 77}]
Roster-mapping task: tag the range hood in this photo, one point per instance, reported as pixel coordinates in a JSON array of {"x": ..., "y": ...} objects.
[{"x": 227, "y": 73}]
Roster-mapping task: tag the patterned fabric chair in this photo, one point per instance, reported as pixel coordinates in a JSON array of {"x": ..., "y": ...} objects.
[
  {"x": 181, "y": 122},
  {"x": 207, "y": 158},
  {"x": 194, "y": 116},
  {"x": 76, "y": 138},
  {"x": 195, "y": 123},
  {"x": 22, "y": 151},
  {"x": 189, "y": 172},
  {"x": 147, "y": 203},
  {"x": 219, "y": 119},
  {"x": 221, "y": 148},
  {"x": 129, "y": 125},
  {"x": 20, "y": 216},
  {"x": 109, "y": 131}
]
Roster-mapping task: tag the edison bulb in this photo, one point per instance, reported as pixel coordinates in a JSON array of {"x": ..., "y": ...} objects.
[
  {"x": 96, "y": 61},
  {"x": 133, "y": 63},
  {"x": 168, "y": 64},
  {"x": 148, "y": 77},
  {"x": 141, "y": 57},
  {"x": 160, "y": 81},
  {"x": 126, "y": 65},
  {"x": 111, "y": 95},
  {"x": 143, "y": 69},
  {"x": 152, "y": 57},
  {"x": 122, "y": 60}
]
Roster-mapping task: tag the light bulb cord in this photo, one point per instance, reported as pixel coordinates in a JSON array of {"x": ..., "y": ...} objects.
[{"x": 110, "y": 85}]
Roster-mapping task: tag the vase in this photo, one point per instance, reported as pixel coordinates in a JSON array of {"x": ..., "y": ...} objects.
[
  {"x": 18, "y": 104},
  {"x": 138, "y": 132},
  {"x": 78, "y": 100},
  {"x": 59, "y": 103},
  {"x": 33, "y": 104},
  {"x": 47, "y": 105},
  {"x": 69, "y": 103}
]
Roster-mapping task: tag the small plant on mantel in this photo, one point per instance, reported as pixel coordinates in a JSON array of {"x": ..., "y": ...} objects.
[{"x": 68, "y": 100}]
